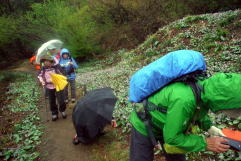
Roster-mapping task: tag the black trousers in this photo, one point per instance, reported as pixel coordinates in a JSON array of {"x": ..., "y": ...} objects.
[
  {"x": 53, "y": 95},
  {"x": 141, "y": 149}
]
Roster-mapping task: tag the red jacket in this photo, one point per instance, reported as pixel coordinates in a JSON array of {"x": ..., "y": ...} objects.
[{"x": 32, "y": 61}]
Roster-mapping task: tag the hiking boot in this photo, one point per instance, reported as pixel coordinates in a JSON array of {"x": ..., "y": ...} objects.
[
  {"x": 54, "y": 117},
  {"x": 64, "y": 115},
  {"x": 73, "y": 100},
  {"x": 75, "y": 140}
]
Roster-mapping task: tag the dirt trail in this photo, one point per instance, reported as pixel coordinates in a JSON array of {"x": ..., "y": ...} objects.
[{"x": 57, "y": 139}]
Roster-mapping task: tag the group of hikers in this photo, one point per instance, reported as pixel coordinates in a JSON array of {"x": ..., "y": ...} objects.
[
  {"x": 57, "y": 62},
  {"x": 172, "y": 112}
]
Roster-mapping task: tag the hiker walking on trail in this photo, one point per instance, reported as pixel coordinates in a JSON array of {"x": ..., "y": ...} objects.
[
  {"x": 69, "y": 65},
  {"x": 45, "y": 78},
  {"x": 175, "y": 127},
  {"x": 32, "y": 60},
  {"x": 54, "y": 53}
]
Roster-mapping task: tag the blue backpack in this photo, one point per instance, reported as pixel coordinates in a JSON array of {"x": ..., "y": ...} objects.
[{"x": 175, "y": 66}]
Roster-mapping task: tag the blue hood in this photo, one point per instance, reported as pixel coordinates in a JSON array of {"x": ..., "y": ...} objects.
[
  {"x": 64, "y": 50},
  {"x": 65, "y": 64}
]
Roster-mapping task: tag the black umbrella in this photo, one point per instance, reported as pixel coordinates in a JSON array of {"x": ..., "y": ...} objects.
[{"x": 93, "y": 112}]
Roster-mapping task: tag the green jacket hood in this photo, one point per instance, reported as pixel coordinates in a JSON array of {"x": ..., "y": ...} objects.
[{"x": 222, "y": 91}]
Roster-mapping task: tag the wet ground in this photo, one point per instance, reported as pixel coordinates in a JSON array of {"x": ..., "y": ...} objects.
[{"x": 57, "y": 140}]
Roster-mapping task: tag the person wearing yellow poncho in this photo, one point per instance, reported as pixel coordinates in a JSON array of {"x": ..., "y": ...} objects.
[{"x": 221, "y": 91}]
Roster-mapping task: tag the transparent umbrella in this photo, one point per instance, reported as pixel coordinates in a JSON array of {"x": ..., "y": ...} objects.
[{"x": 43, "y": 50}]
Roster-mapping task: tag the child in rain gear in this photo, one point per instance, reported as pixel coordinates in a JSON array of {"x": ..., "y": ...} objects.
[
  {"x": 52, "y": 51},
  {"x": 69, "y": 65},
  {"x": 45, "y": 79}
]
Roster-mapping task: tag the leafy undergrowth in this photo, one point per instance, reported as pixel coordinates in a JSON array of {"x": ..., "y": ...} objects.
[
  {"x": 216, "y": 35},
  {"x": 23, "y": 133}
]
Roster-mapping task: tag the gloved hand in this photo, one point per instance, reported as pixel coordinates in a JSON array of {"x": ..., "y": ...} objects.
[{"x": 214, "y": 131}]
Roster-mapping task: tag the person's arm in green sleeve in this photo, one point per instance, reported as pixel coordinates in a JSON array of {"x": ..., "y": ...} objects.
[{"x": 178, "y": 117}]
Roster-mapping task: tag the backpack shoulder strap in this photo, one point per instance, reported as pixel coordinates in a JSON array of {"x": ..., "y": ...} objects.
[
  {"x": 147, "y": 122},
  {"x": 146, "y": 118},
  {"x": 196, "y": 89},
  {"x": 58, "y": 69},
  {"x": 149, "y": 106}
]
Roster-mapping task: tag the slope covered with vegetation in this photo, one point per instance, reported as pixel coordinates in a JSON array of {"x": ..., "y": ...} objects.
[
  {"x": 216, "y": 35},
  {"x": 90, "y": 28}
]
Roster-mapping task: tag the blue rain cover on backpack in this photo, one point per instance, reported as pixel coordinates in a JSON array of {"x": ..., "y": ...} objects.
[{"x": 159, "y": 73}]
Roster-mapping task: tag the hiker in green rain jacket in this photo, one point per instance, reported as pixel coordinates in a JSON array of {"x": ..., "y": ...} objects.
[{"x": 220, "y": 92}]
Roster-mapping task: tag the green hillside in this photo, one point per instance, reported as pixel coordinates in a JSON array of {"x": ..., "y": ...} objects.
[{"x": 216, "y": 35}]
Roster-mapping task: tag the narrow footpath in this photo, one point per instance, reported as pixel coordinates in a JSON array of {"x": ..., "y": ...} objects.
[
  {"x": 57, "y": 139},
  {"x": 57, "y": 136}
]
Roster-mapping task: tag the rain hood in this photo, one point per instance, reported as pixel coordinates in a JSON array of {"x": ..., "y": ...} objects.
[
  {"x": 64, "y": 50},
  {"x": 222, "y": 91},
  {"x": 65, "y": 63}
]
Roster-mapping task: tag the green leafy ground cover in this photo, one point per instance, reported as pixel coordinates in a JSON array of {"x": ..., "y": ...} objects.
[
  {"x": 216, "y": 35},
  {"x": 22, "y": 97}
]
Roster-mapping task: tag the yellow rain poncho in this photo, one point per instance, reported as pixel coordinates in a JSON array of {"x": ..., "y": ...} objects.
[{"x": 59, "y": 81}]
